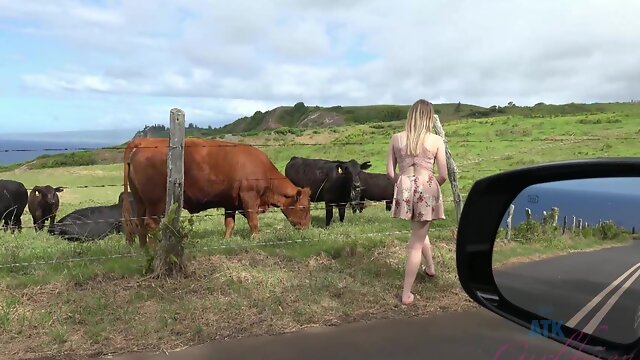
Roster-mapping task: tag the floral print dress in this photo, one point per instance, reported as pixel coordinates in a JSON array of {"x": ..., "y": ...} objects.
[{"x": 417, "y": 198}]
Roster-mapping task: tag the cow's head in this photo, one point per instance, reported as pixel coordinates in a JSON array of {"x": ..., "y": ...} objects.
[
  {"x": 297, "y": 208},
  {"x": 351, "y": 170},
  {"x": 47, "y": 195}
]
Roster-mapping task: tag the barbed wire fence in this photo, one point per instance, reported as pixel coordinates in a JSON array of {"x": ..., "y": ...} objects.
[{"x": 551, "y": 142}]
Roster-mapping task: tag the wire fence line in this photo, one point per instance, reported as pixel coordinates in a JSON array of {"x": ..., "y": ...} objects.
[
  {"x": 208, "y": 248},
  {"x": 463, "y": 163},
  {"x": 448, "y": 140},
  {"x": 293, "y": 241},
  {"x": 219, "y": 212}
]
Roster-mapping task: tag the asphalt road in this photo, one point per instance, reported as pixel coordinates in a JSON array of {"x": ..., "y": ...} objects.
[
  {"x": 464, "y": 335},
  {"x": 596, "y": 291}
]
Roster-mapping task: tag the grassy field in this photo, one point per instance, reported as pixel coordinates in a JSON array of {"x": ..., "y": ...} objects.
[{"x": 286, "y": 279}]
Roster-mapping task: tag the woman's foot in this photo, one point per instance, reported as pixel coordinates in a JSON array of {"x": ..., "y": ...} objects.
[
  {"x": 408, "y": 300},
  {"x": 428, "y": 273}
]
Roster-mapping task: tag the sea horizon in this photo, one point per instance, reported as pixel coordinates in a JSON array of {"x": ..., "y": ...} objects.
[{"x": 18, "y": 148}]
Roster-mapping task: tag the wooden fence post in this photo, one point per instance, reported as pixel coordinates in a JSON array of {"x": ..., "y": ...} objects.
[
  {"x": 573, "y": 224},
  {"x": 452, "y": 170},
  {"x": 168, "y": 258},
  {"x": 527, "y": 213},
  {"x": 511, "y": 207},
  {"x": 580, "y": 224},
  {"x": 554, "y": 212},
  {"x": 633, "y": 230},
  {"x": 564, "y": 225}
]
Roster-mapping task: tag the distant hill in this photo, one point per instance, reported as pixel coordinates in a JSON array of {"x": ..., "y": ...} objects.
[
  {"x": 301, "y": 116},
  {"x": 287, "y": 126}
]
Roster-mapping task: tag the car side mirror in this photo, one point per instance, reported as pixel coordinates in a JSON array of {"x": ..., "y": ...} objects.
[{"x": 520, "y": 254}]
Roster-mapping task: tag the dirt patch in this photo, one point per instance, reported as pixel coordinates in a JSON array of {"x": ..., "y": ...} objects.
[{"x": 318, "y": 119}]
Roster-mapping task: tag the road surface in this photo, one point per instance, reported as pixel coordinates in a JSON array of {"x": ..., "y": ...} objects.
[
  {"x": 465, "y": 335},
  {"x": 596, "y": 291}
]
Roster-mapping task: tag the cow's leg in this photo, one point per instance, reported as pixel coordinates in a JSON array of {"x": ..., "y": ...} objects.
[
  {"x": 38, "y": 223},
  {"x": 250, "y": 205},
  {"x": 328, "y": 213},
  {"x": 341, "y": 211},
  {"x": 151, "y": 222},
  {"x": 388, "y": 205},
  {"x": 229, "y": 222},
  {"x": 16, "y": 224},
  {"x": 52, "y": 220}
]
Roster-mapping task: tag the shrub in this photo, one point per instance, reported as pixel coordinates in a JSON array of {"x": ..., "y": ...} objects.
[{"x": 609, "y": 231}]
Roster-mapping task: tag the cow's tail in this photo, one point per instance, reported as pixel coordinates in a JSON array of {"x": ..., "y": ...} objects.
[{"x": 127, "y": 222}]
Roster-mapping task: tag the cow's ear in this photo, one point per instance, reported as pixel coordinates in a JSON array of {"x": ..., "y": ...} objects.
[
  {"x": 37, "y": 190},
  {"x": 365, "y": 165},
  {"x": 59, "y": 189}
]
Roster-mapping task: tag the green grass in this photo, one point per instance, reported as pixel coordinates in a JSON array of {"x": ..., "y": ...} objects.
[{"x": 242, "y": 286}]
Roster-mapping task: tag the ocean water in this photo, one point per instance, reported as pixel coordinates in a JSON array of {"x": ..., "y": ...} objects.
[
  {"x": 16, "y": 151},
  {"x": 592, "y": 200}
]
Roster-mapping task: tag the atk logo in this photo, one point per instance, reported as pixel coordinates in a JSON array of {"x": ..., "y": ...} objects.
[{"x": 546, "y": 327}]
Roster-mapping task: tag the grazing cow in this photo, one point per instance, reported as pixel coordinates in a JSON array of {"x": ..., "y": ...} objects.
[
  {"x": 43, "y": 205},
  {"x": 13, "y": 200},
  {"x": 234, "y": 176},
  {"x": 333, "y": 181},
  {"x": 375, "y": 187},
  {"x": 92, "y": 223}
]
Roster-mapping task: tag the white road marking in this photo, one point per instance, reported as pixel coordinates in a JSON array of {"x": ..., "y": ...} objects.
[
  {"x": 577, "y": 317},
  {"x": 596, "y": 319}
]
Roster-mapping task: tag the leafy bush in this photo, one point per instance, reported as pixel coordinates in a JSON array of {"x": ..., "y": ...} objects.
[{"x": 609, "y": 231}]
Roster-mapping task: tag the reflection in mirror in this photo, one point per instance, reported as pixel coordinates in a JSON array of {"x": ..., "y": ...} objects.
[{"x": 566, "y": 251}]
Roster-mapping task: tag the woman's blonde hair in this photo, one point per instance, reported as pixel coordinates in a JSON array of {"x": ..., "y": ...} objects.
[{"x": 419, "y": 124}]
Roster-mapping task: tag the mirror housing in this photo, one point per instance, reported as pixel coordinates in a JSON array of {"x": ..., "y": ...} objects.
[{"x": 484, "y": 209}]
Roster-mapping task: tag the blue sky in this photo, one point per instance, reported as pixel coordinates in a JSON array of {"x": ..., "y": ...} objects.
[{"x": 79, "y": 65}]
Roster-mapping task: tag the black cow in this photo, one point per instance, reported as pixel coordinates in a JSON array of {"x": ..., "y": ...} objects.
[
  {"x": 375, "y": 187},
  {"x": 43, "y": 205},
  {"x": 13, "y": 200},
  {"x": 92, "y": 223},
  {"x": 333, "y": 181}
]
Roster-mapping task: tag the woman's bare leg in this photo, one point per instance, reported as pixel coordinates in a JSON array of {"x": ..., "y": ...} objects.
[
  {"x": 427, "y": 255},
  {"x": 419, "y": 231}
]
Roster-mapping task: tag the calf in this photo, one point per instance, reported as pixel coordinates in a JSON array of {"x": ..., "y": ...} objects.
[
  {"x": 13, "y": 200},
  {"x": 92, "y": 223},
  {"x": 375, "y": 187},
  {"x": 43, "y": 205},
  {"x": 335, "y": 182}
]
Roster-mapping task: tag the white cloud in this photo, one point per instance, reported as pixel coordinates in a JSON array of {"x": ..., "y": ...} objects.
[{"x": 230, "y": 58}]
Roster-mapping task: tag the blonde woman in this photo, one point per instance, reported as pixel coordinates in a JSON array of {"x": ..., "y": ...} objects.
[{"x": 417, "y": 195}]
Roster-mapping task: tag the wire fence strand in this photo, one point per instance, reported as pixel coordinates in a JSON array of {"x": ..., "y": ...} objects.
[
  {"x": 341, "y": 143},
  {"x": 219, "y": 212},
  {"x": 209, "y": 248}
]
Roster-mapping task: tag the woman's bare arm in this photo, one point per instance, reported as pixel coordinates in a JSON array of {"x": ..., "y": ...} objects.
[
  {"x": 441, "y": 162},
  {"x": 391, "y": 162}
]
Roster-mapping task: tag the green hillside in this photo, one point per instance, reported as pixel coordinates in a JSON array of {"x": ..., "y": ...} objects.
[
  {"x": 302, "y": 116},
  {"x": 316, "y": 124}
]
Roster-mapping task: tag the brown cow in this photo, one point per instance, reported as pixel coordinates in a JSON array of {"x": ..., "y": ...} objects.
[
  {"x": 216, "y": 174},
  {"x": 43, "y": 205}
]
